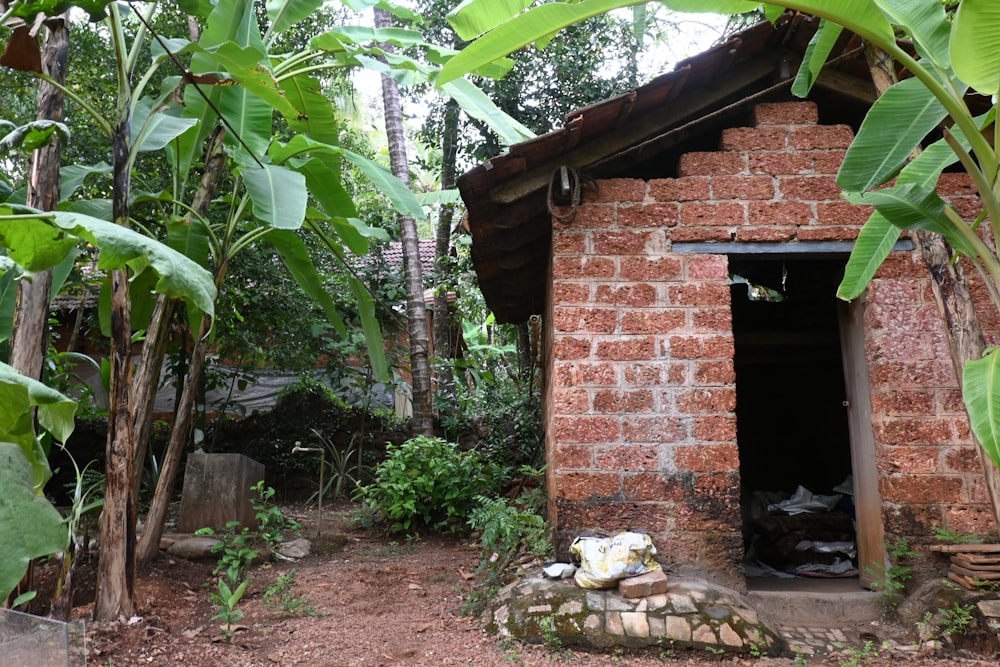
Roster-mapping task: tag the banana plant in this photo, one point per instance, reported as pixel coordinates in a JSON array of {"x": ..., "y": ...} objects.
[{"x": 953, "y": 57}]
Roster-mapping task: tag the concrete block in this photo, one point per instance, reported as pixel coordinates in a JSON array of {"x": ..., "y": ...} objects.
[
  {"x": 217, "y": 491},
  {"x": 651, "y": 583}
]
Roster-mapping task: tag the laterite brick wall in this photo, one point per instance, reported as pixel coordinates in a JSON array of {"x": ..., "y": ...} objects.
[{"x": 641, "y": 428}]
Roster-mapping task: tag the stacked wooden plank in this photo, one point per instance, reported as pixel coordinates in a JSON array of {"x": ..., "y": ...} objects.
[{"x": 973, "y": 566}]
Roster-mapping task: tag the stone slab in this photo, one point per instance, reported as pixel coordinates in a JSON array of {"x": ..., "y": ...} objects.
[{"x": 651, "y": 583}]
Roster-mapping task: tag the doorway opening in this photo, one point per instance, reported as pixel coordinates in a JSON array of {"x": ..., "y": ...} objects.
[{"x": 792, "y": 418}]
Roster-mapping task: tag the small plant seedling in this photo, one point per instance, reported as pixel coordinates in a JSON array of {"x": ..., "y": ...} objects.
[
  {"x": 281, "y": 595},
  {"x": 226, "y": 600}
]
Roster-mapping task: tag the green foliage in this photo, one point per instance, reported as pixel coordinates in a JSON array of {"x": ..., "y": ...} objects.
[
  {"x": 427, "y": 482},
  {"x": 281, "y": 596},
  {"x": 272, "y": 523},
  {"x": 891, "y": 581},
  {"x": 953, "y": 537},
  {"x": 235, "y": 549},
  {"x": 860, "y": 657},
  {"x": 946, "y": 622},
  {"x": 226, "y": 600},
  {"x": 507, "y": 530}
]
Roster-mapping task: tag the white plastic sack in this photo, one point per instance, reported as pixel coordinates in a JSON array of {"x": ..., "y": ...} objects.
[{"x": 606, "y": 560}]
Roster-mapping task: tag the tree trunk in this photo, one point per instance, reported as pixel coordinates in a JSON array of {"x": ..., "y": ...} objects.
[
  {"x": 154, "y": 350},
  {"x": 951, "y": 291},
  {"x": 29, "y": 339},
  {"x": 116, "y": 567},
  {"x": 416, "y": 309},
  {"x": 149, "y": 542},
  {"x": 443, "y": 346}
]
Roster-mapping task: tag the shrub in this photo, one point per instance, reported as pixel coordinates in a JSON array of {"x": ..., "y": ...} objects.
[{"x": 427, "y": 481}]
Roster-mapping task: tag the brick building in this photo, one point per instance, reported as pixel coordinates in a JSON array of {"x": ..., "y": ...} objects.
[{"x": 696, "y": 356}]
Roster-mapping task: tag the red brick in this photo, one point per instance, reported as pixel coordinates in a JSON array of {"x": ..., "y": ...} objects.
[
  {"x": 630, "y": 349},
  {"x": 704, "y": 516},
  {"x": 951, "y": 401},
  {"x": 904, "y": 375},
  {"x": 914, "y": 431},
  {"x": 586, "y": 485},
  {"x": 908, "y": 460},
  {"x": 766, "y": 234},
  {"x": 713, "y": 319},
  {"x": 620, "y": 243},
  {"x": 716, "y": 347},
  {"x": 633, "y": 458},
  {"x": 635, "y": 294},
  {"x": 827, "y": 162},
  {"x": 707, "y": 458},
  {"x": 567, "y": 348},
  {"x": 711, "y": 164},
  {"x": 898, "y": 403},
  {"x": 615, "y": 190},
  {"x": 623, "y": 401},
  {"x": 644, "y": 375},
  {"x": 715, "y": 428},
  {"x": 698, "y": 214},
  {"x": 708, "y": 267},
  {"x": 590, "y": 216},
  {"x": 685, "y": 347},
  {"x": 842, "y": 213},
  {"x": 651, "y": 583},
  {"x": 967, "y": 520},
  {"x": 658, "y": 429},
  {"x": 786, "y": 113},
  {"x": 570, "y": 401},
  {"x": 686, "y": 188},
  {"x": 612, "y": 516},
  {"x": 582, "y": 267},
  {"x": 910, "y": 519},
  {"x": 809, "y": 188},
  {"x": 921, "y": 488},
  {"x": 714, "y": 372},
  {"x": 585, "y": 429},
  {"x": 779, "y": 163},
  {"x": 567, "y": 457},
  {"x": 589, "y": 320},
  {"x": 779, "y": 213},
  {"x": 651, "y": 321},
  {"x": 962, "y": 459},
  {"x": 695, "y": 401},
  {"x": 692, "y": 234},
  {"x": 742, "y": 187},
  {"x": 652, "y": 486},
  {"x": 967, "y": 207},
  {"x": 827, "y": 233},
  {"x": 699, "y": 294},
  {"x": 568, "y": 243},
  {"x": 648, "y": 215},
  {"x": 821, "y": 136},
  {"x": 563, "y": 292},
  {"x": 650, "y": 268},
  {"x": 598, "y": 374},
  {"x": 771, "y": 138}
]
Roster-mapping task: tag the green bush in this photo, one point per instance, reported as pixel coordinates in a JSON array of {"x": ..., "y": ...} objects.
[{"x": 427, "y": 482}]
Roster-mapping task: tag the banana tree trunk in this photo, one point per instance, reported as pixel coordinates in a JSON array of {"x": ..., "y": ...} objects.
[
  {"x": 29, "y": 340},
  {"x": 966, "y": 341},
  {"x": 416, "y": 309},
  {"x": 443, "y": 346}
]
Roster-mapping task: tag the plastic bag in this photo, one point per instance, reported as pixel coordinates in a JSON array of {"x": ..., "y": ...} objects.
[{"x": 606, "y": 560}]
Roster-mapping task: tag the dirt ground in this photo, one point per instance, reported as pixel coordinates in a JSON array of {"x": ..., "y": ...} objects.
[{"x": 371, "y": 601}]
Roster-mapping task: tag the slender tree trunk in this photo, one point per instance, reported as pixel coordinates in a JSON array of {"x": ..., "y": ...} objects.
[
  {"x": 149, "y": 542},
  {"x": 951, "y": 290},
  {"x": 416, "y": 309},
  {"x": 443, "y": 347},
  {"x": 29, "y": 340},
  {"x": 147, "y": 377},
  {"x": 116, "y": 565}
]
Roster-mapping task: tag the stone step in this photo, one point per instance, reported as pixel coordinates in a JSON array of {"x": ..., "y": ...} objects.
[{"x": 818, "y": 609}]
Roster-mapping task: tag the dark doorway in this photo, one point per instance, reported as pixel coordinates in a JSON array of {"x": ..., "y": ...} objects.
[{"x": 791, "y": 412}]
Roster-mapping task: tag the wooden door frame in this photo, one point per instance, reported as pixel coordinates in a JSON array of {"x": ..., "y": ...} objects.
[{"x": 867, "y": 498}]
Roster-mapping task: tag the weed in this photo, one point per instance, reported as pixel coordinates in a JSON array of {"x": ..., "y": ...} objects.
[
  {"x": 226, "y": 600},
  {"x": 281, "y": 595},
  {"x": 271, "y": 521},
  {"x": 891, "y": 581},
  {"x": 550, "y": 637},
  {"x": 716, "y": 650},
  {"x": 954, "y": 620},
  {"x": 858, "y": 657},
  {"x": 757, "y": 645},
  {"x": 235, "y": 549},
  {"x": 617, "y": 654},
  {"x": 800, "y": 660},
  {"x": 954, "y": 537},
  {"x": 667, "y": 654}
]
